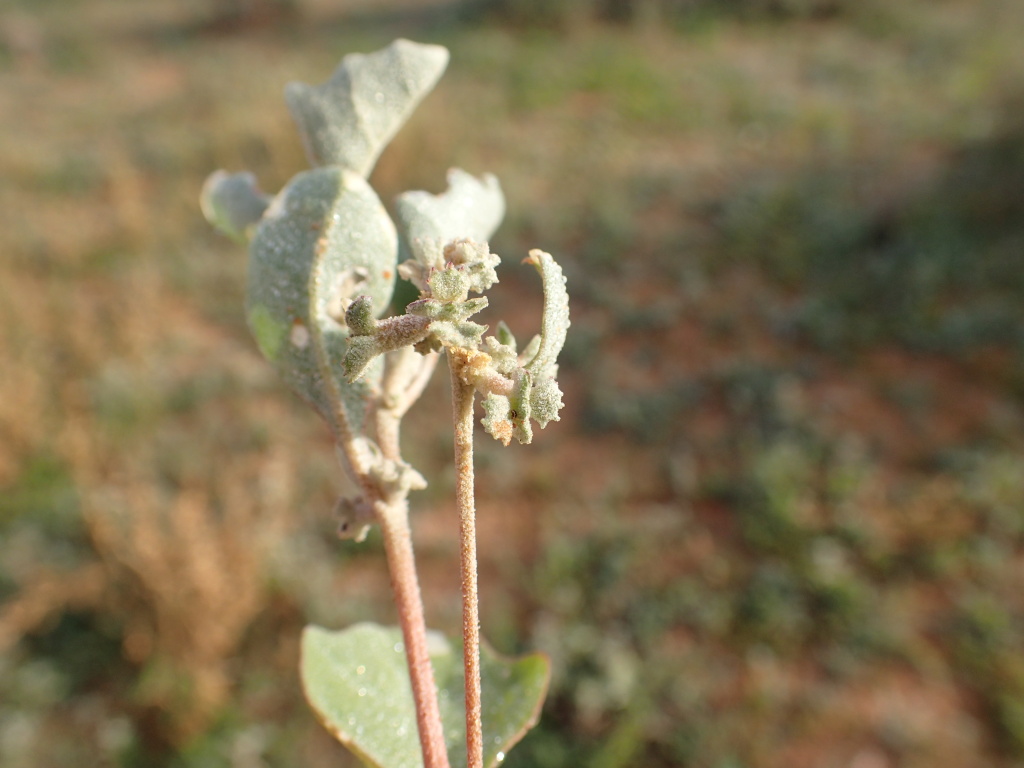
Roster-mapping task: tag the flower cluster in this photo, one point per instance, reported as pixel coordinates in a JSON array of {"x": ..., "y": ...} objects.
[{"x": 516, "y": 388}]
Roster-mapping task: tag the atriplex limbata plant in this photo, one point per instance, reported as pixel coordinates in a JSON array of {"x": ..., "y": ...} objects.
[{"x": 323, "y": 259}]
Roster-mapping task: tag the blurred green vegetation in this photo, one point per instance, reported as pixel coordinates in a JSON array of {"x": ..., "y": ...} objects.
[{"x": 782, "y": 519}]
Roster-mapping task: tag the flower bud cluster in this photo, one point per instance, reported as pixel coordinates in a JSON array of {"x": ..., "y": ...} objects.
[{"x": 516, "y": 388}]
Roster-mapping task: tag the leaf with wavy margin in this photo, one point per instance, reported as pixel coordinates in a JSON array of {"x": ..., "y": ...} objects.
[{"x": 357, "y": 682}]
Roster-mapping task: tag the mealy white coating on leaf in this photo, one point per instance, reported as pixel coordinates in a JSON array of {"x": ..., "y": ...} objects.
[
  {"x": 470, "y": 208},
  {"x": 495, "y": 421},
  {"x": 555, "y": 320},
  {"x": 348, "y": 120},
  {"x": 509, "y": 416},
  {"x": 531, "y": 349},
  {"x": 503, "y": 355},
  {"x": 545, "y": 401},
  {"x": 503, "y": 335},
  {"x": 324, "y": 226},
  {"x": 448, "y": 285},
  {"x": 233, "y": 202},
  {"x": 447, "y": 310},
  {"x": 299, "y": 336},
  {"x": 450, "y": 333}
]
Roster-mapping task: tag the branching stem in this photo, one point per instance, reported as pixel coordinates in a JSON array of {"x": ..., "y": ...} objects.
[
  {"x": 462, "y": 411},
  {"x": 393, "y": 517}
]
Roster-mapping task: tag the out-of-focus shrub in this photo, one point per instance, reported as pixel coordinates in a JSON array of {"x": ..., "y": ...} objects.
[{"x": 563, "y": 13}]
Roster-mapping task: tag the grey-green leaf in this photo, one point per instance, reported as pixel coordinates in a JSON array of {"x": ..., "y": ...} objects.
[
  {"x": 324, "y": 239},
  {"x": 357, "y": 682},
  {"x": 233, "y": 203},
  {"x": 348, "y": 120},
  {"x": 470, "y": 208},
  {"x": 555, "y": 319}
]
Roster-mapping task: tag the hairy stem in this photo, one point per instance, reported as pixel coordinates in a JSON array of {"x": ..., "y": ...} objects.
[
  {"x": 462, "y": 409},
  {"x": 405, "y": 376},
  {"x": 387, "y": 427},
  {"x": 394, "y": 523},
  {"x": 393, "y": 517}
]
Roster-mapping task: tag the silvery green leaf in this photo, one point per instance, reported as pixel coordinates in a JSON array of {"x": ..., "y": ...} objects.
[
  {"x": 545, "y": 401},
  {"x": 348, "y": 120},
  {"x": 357, "y": 682},
  {"x": 555, "y": 319},
  {"x": 531, "y": 349},
  {"x": 470, "y": 208},
  {"x": 453, "y": 333},
  {"x": 325, "y": 236},
  {"x": 447, "y": 310},
  {"x": 233, "y": 203},
  {"x": 503, "y": 335}
]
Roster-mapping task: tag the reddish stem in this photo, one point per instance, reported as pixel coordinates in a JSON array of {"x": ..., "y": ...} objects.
[
  {"x": 394, "y": 522},
  {"x": 462, "y": 409}
]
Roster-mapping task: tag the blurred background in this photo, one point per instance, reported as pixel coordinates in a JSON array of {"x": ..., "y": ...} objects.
[{"x": 781, "y": 522}]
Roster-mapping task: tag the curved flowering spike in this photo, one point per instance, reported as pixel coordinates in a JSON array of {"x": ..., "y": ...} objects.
[
  {"x": 348, "y": 120},
  {"x": 470, "y": 208},
  {"x": 534, "y": 393},
  {"x": 325, "y": 234},
  {"x": 233, "y": 203},
  {"x": 555, "y": 321}
]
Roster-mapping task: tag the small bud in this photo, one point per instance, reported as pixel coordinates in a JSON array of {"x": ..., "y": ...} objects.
[
  {"x": 384, "y": 336},
  {"x": 477, "y": 261},
  {"x": 505, "y": 360},
  {"x": 359, "y": 316},
  {"x": 354, "y": 518},
  {"x": 448, "y": 285}
]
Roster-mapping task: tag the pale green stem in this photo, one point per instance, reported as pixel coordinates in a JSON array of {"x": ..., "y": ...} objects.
[{"x": 462, "y": 409}]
